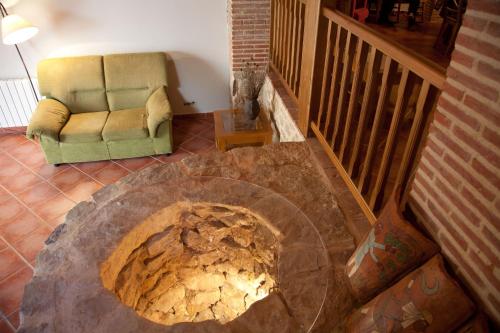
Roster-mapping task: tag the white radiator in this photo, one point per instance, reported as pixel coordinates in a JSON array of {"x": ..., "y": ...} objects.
[{"x": 17, "y": 102}]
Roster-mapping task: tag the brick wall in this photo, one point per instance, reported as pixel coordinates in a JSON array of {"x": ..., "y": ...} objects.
[
  {"x": 249, "y": 31},
  {"x": 456, "y": 192}
]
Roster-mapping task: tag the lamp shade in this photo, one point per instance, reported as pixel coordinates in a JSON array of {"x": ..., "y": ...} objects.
[{"x": 16, "y": 30}]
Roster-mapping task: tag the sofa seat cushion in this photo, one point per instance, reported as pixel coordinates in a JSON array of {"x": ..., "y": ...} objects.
[
  {"x": 126, "y": 125},
  {"x": 84, "y": 127}
]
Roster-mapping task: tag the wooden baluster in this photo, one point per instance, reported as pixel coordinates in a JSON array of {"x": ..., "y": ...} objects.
[
  {"x": 415, "y": 129},
  {"x": 359, "y": 69},
  {"x": 374, "y": 61},
  {"x": 308, "y": 74},
  {"x": 280, "y": 35},
  {"x": 271, "y": 56},
  {"x": 344, "y": 83},
  {"x": 286, "y": 73},
  {"x": 428, "y": 110},
  {"x": 298, "y": 55},
  {"x": 283, "y": 35},
  {"x": 390, "y": 68},
  {"x": 404, "y": 92},
  {"x": 337, "y": 64},
  {"x": 274, "y": 30},
  {"x": 291, "y": 79},
  {"x": 289, "y": 42},
  {"x": 286, "y": 39},
  {"x": 277, "y": 33},
  {"x": 325, "y": 72}
]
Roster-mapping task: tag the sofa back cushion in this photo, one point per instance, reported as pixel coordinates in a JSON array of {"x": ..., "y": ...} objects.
[
  {"x": 131, "y": 78},
  {"x": 77, "y": 82}
]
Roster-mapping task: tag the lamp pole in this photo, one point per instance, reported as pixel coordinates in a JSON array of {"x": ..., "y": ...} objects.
[{"x": 4, "y": 13}]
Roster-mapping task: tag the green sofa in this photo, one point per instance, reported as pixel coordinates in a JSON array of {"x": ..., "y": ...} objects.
[{"x": 103, "y": 107}]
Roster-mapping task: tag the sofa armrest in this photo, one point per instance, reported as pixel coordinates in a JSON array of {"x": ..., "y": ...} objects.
[
  {"x": 158, "y": 110},
  {"x": 48, "y": 119}
]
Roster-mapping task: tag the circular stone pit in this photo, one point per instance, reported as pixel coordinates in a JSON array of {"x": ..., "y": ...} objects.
[
  {"x": 194, "y": 262},
  {"x": 106, "y": 268}
]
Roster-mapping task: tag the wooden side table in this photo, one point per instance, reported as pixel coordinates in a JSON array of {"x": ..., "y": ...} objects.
[{"x": 232, "y": 129}]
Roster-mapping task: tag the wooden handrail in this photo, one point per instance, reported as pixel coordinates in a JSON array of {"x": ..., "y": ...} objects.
[
  {"x": 287, "y": 18},
  {"x": 368, "y": 86},
  {"x": 421, "y": 66},
  {"x": 360, "y": 87}
]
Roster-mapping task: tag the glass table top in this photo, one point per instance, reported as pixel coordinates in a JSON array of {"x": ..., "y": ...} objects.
[{"x": 237, "y": 121}]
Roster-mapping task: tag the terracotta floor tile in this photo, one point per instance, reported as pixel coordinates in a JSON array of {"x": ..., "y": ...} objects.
[
  {"x": 68, "y": 179},
  {"x": 134, "y": 164},
  {"x": 211, "y": 149},
  {"x": 58, "y": 220},
  {"x": 21, "y": 227},
  {"x": 197, "y": 145},
  {"x": 208, "y": 134},
  {"x": 11, "y": 141},
  {"x": 180, "y": 137},
  {"x": 155, "y": 162},
  {"x": 209, "y": 120},
  {"x": 33, "y": 243},
  {"x": 91, "y": 167},
  {"x": 54, "y": 207},
  {"x": 83, "y": 190},
  {"x": 12, "y": 289},
  {"x": 14, "y": 319},
  {"x": 3, "y": 245},
  {"x": 10, "y": 210},
  {"x": 192, "y": 127},
  {"x": 10, "y": 263},
  {"x": 29, "y": 153},
  {"x": 6, "y": 161},
  {"x": 178, "y": 155},
  {"x": 4, "y": 195},
  {"x": 110, "y": 174},
  {"x": 38, "y": 193},
  {"x": 48, "y": 170},
  {"x": 5, "y": 328},
  {"x": 16, "y": 178}
]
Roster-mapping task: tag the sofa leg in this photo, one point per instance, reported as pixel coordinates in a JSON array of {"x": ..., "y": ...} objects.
[{"x": 168, "y": 154}]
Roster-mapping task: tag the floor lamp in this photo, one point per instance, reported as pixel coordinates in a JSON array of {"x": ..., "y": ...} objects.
[{"x": 16, "y": 30}]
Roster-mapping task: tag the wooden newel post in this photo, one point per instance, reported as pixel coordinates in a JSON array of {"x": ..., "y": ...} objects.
[{"x": 312, "y": 16}]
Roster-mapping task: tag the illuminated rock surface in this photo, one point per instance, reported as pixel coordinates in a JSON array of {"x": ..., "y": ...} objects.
[{"x": 194, "y": 262}]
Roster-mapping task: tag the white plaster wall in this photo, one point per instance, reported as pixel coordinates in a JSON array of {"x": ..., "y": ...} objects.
[{"x": 193, "y": 33}]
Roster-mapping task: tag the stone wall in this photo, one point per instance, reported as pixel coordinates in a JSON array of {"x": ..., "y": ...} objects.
[
  {"x": 456, "y": 192},
  {"x": 280, "y": 108}
]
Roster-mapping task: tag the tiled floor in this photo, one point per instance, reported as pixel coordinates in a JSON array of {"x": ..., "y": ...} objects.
[{"x": 35, "y": 197}]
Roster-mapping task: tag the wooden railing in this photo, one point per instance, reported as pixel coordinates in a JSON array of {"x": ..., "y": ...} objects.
[
  {"x": 287, "y": 35},
  {"x": 365, "y": 98}
]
